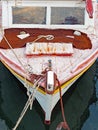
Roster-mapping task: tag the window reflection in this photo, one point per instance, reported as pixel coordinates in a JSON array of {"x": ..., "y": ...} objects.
[
  {"x": 29, "y": 15},
  {"x": 67, "y": 15}
]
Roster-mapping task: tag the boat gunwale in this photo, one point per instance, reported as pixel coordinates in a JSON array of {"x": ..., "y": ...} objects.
[{"x": 64, "y": 85}]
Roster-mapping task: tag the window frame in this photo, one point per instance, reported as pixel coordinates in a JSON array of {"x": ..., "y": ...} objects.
[{"x": 7, "y": 13}]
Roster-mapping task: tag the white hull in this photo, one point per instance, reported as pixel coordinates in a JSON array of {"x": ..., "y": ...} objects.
[
  {"x": 48, "y": 101},
  {"x": 21, "y": 62}
]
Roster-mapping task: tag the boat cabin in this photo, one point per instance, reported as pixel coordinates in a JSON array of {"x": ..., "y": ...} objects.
[{"x": 47, "y": 14}]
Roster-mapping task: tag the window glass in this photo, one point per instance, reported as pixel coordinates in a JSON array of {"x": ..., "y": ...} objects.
[
  {"x": 29, "y": 15},
  {"x": 67, "y": 15}
]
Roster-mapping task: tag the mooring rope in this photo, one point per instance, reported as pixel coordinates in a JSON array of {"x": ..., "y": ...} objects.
[
  {"x": 48, "y": 37},
  {"x": 28, "y": 103},
  {"x": 13, "y": 51},
  {"x": 26, "y": 71},
  {"x": 31, "y": 95},
  {"x": 63, "y": 124}
]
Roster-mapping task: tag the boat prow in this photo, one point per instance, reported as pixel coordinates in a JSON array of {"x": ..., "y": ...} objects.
[{"x": 47, "y": 61}]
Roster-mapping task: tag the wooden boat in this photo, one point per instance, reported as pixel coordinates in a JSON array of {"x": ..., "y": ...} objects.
[{"x": 47, "y": 58}]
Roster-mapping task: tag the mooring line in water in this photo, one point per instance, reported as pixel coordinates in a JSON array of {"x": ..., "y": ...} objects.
[
  {"x": 62, "y": 124},
  {"x": 28, "y": 103}
]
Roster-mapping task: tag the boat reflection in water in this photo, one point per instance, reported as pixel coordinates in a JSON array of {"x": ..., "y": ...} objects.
[{"x": 76, "y": 104}]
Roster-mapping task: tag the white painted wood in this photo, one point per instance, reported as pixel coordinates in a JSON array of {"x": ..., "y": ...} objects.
[{"x": 7, "y": 14}]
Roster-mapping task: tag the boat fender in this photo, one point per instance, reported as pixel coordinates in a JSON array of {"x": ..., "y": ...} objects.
[{"x": 50, "y": 82}]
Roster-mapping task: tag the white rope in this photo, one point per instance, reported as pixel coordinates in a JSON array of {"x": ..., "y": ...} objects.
[
  {"x": 34, "y": 91},
  {"x": 30, "y": 94},
  {"x": 13, "y": 50},
  {"x": 26, "y": 71},
  {"x": 23, "y": 112},
  {"x": 28, "y": 103},
  {"x": 48, "y": 37}
]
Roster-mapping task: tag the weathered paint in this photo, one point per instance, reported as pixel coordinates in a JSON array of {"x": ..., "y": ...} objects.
[{"x": 0, "y": 14}]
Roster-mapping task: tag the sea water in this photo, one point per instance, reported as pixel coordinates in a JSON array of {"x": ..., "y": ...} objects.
[{"x": 80, "y": 104}]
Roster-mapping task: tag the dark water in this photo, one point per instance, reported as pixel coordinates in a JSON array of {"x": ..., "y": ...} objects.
[{"x": 80, "y": 104}]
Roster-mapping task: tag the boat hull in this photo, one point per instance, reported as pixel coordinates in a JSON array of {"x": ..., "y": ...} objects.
[{"x": 48, "y": 101}]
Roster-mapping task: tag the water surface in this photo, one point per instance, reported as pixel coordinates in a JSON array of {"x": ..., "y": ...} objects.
[{"x": 80, "y": 104}]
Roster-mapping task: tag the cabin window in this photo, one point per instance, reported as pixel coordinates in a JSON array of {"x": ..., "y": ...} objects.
[
  {"x": 68, "y": 15},
  {"x": 65, "y": 14},
  {"x": 28, "y": 15}
]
